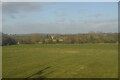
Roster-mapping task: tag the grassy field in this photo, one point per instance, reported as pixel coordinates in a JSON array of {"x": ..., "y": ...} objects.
[{"x": 60, "y": 61}]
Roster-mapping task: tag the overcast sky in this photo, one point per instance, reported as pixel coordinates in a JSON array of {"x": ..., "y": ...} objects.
[{"x": 59, "y": 17}]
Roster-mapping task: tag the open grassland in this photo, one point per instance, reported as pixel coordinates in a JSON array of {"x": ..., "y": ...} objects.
[{"x": 60, "y": 61}]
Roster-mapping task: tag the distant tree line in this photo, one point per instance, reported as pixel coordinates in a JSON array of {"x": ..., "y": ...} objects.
[
  {"x": 91, "y": 37},
  {"x": 7, "y": 40},
  {"x": 67, "y": 38}
]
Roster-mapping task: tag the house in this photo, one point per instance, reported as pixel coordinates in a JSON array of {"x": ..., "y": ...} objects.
[
  {"x": 61, "y": 40},
  {"x": 18, "y": 42}
]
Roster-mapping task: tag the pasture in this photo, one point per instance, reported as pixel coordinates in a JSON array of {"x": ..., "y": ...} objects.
[{"x": 60, "y": 61}]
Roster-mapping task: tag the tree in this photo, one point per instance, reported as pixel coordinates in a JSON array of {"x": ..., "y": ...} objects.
[{"x": 8, "y": 40}]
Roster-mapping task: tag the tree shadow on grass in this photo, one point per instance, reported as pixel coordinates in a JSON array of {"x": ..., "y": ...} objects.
[{"x": 40, "y": 73}]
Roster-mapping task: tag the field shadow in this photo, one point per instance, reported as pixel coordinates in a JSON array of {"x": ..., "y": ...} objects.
[{"x": 40, "y": 73}]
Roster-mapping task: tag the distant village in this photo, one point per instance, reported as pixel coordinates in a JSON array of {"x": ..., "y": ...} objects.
[{"x": 60, "y": 38}]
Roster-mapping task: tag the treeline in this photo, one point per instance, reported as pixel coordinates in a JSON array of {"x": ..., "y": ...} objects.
[
  {"x": 66, "y": 38},
  {"x": 59, "y": 38},
  {"x": 7, "y": 40}
]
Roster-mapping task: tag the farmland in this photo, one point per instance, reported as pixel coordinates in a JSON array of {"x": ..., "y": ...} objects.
[{"x": 60, "y": 61}]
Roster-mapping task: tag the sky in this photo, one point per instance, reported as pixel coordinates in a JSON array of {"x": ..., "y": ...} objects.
[{"x": 59, "y": 17}]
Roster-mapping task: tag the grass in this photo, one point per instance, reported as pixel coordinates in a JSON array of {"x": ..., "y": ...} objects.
[{"x": 60, "y": 61}]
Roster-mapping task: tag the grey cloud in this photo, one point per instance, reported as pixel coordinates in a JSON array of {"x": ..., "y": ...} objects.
[
  {"x": 12, "y": 9},
  {"x": 66, "y": 20},
  {"x": 100, "y": 21},
  {"x": 82, "y": 11},
  {"x": 83, "y": 27},
  {"x": 61, "y": 16},
  {"x": 97, "y": 15},
  {"x": 108, "y": 25},
  {"x": 17, "y": 7},
  {"x": 61, "y": 12},
  {"x": 12, "y": 16},
  {"x": 61, "y": 20}
]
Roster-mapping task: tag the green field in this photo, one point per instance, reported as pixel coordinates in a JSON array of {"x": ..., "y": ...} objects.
[{"x": 60, "y": 61}]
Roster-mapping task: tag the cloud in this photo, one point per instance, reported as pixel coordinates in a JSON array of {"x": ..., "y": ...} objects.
[
  {"x": 83, "y": 11},
  {"x": 18, "y": 7},
  {"x": 12, "y": 9},
  {"x": 96, "y": 15},
  {"x": 105, "y": 25},
  {"x": 101, "y": 21},
  {"x": 61, "y": 12},
  {"x": 61, "y": 20},
  {"x": 108, "y": 25}
]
